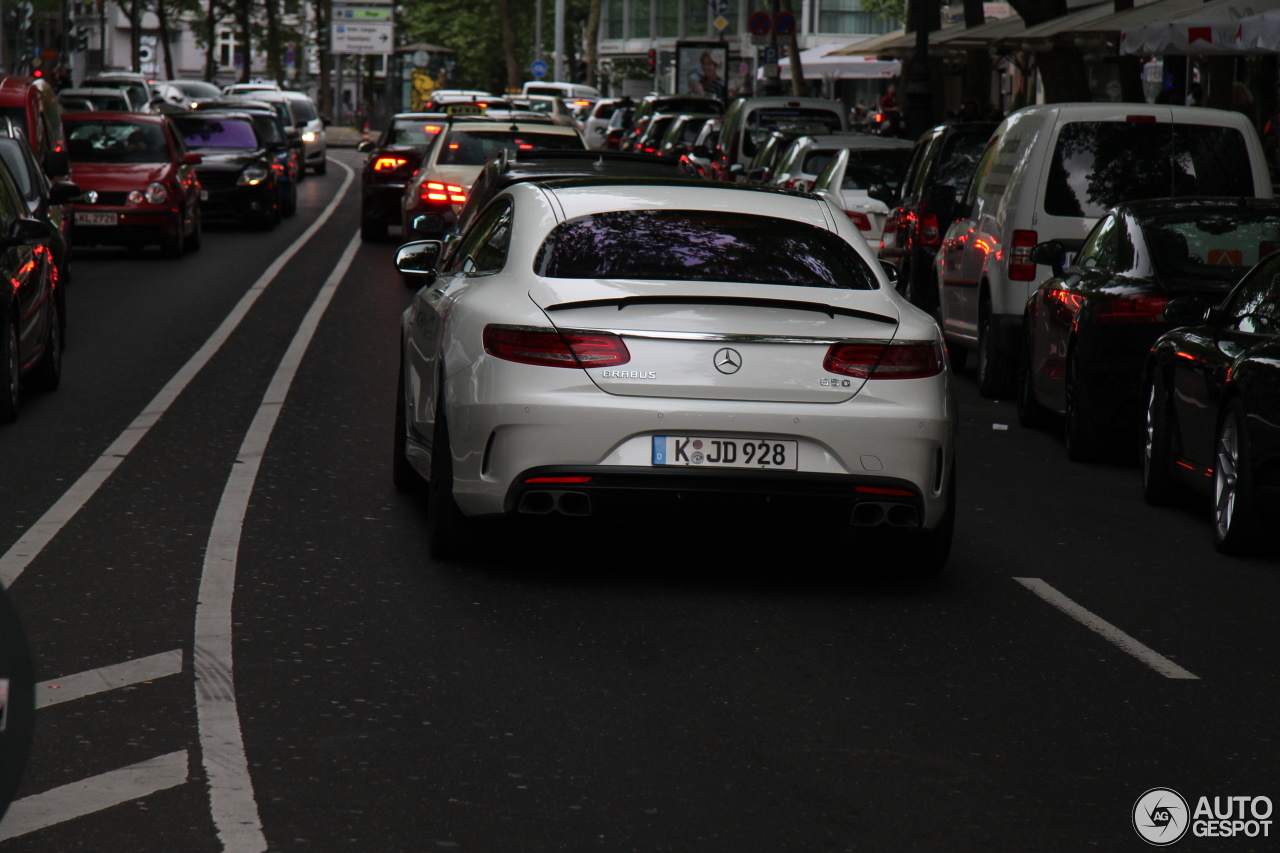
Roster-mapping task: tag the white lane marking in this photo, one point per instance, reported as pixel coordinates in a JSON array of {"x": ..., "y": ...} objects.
[
  {"x": 94, "y": 794},
  {"x": 58, "y": 690},
  {"x": 1127, "y": 644},
  {"x": 231, "y": 795},
  {"x": 31, "y": 543}
]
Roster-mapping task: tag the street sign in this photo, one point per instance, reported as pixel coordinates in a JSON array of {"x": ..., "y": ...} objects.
[
  {"x": 538, "y": 69},
  {"x": 784, "y": 24},
  {"x": 721, "y": 22},
  {"x": 769, "y": 54},
  {"x": 759, "y": 24},
  {"x": 363, "y": 27},
  {"x": 720, "y": 7}
]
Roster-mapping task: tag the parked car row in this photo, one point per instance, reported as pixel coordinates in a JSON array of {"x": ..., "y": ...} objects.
[{"x": 83, "y": 176}]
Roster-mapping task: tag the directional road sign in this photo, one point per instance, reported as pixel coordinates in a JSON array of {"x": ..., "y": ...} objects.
[{"x": 538, "y": 69}]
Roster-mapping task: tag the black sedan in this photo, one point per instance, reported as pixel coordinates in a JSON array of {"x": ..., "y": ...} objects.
[
  {"x": 1089, "y": 327},
  {"x": 391, "y": 163},
  {"x": 1212, "y": 392},
  {"x": 238, "y": 174}
]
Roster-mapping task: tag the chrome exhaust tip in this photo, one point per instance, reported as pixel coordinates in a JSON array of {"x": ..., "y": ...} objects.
[{"x": 867, "y": 514}]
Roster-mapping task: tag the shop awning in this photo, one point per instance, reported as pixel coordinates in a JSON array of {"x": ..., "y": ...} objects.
[
  {"x": 822, "y": 62},
  {"x": 1204, "y": 29}
]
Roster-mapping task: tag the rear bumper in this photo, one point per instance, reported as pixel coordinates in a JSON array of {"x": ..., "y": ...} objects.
[{"x": 132, "y": 229}]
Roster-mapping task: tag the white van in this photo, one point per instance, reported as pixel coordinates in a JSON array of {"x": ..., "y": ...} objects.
[
  {"x": 1048, "y": 173},
  {"x": 748, "y": 122},
  {"x": 569, "y": 91}
]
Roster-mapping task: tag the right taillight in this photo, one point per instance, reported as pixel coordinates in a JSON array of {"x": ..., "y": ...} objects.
[
  {"x": 1021, "y": 267},
  {"x": 555, "y": 349},
  {"x": 1146, "y": 308},
  {"x": 930, "y": 234},
  {"x": 878, "y": 360},
  {"x": 860, "y": 220}
]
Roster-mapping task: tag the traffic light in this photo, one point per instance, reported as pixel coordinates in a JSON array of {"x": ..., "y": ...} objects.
[
  {"x": 79, "y": 38},
  {"x": 653, "y": 61},
  {"x": 26, "y": 13}
]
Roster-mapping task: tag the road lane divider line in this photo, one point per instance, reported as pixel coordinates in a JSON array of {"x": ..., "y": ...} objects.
[
  {"x": 94, "y": 794},
  {"x": 1120, "y": 639},
  {"x": 81, "y": 684},
  {"x": 231, "y": 796},
  {"x": 34, "y": 540}
]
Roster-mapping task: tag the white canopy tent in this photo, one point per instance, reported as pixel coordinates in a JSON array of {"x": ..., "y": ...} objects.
[
  {"x": 1220, "y": 27},
  {"x": 819, "y": 62}
]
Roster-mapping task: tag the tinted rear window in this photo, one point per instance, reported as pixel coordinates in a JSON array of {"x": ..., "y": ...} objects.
[
  {"x": 1215, "y": 246},
  {"x": 876, "y": 167},
  {"x": 959, "y": 156},
  {"x": 217, "y": 133},
  {"x": 475, "y": 148},
  {"x": 1097, "y": 165},
  {"x": 694, "y": 245},
  {"x": 793, "y": 121},
  {"x": 116, "y": 142},
  {"x": 413, "y": 132}
]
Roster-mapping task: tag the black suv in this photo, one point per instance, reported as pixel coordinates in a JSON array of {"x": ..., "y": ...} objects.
[{"x": 945, "y": 155}]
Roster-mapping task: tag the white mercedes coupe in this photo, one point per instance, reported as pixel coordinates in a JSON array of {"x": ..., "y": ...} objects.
[{"x": 600, "y": 348}]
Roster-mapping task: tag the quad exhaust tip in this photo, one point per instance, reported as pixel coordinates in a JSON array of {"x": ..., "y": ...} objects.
[{"x": 546, "y": 502}]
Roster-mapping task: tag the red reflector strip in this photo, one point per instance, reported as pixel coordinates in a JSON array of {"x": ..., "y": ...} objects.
[
  {"x": 878, "y": 490},
  {"x": 558, "y": 480}
]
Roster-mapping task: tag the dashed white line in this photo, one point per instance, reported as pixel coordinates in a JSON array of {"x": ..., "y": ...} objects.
[
  {"x": 58, "y": 690},
  {"x": 1123, "y": 641},
  {"x": 94, "y": 794}
]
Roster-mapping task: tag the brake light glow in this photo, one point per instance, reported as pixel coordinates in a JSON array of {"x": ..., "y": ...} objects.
[
  {"x": 881, "y": 490},
  {"x": 435, "y": 191},
  {"x": 1147, "y": 308},
  {"x": 1021, "y": 267},
  {"x": 859, "y": 219},
  {"x": 880, "y": 360},
  {"x": 555, "y": 349},
  {"x": 930, "y": 234},
  {"x": 558, "y": 480},
  {"x": 388, "y": 164},
  {"x": 431, "y": 128}
]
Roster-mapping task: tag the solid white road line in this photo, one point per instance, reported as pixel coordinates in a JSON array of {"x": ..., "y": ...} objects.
[
  {"x": 232, "y": 801},
  {"x": 58, "y": 690},
  {"x": 95, "y": 794},
  {"x": 1127, "y": 644},
  {"x": 31, "y": 543}
]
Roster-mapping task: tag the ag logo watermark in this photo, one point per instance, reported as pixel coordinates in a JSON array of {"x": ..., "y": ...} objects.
[{"x": 1161, "y": 816}]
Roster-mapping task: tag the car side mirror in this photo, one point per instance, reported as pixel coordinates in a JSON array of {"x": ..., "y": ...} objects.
[
  {"x": 63, "y": 192},
  {"x": 365, "y": 146},
  {"x": 884, "y": 193},
  {"x": 29, "y": 232},
  {"x": 192, "y": 158},
  {"x": 419, "y": 258},
  {"x": 1051, "y": 254},
  {"x": 429, "y": 225},
  {"x": 890, "y": 271},
  {"x": 1187, "y": 311}
]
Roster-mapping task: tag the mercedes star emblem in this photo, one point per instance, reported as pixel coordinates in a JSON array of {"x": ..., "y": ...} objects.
[{"x": 727, "y": 360}]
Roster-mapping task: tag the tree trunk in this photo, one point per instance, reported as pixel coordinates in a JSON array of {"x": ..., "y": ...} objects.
[
  {"x": 590, "y": 48},
  {"x": 243, "y": 17},
  {"x": 134, "y": 14},
  {"x": 509, "y": 45},
  {"x": 798, "y": 87},
  {"x": 326, "y": 89},
  {"x": 978, "y": 65},
  {"x": 1062, "y": 70},
  {"x": 162, "y": 14},
  {"x": 274, "y": 65},
  {"x": 211, "y": 42}
]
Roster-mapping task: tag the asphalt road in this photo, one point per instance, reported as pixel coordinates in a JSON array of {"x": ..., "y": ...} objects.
[{"x": 242, "y": 644}]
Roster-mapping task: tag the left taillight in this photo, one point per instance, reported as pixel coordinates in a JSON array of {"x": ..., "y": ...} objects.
[
  {"x": 879, "y": 360},
  {"x": 1132, "y": 309},
  {"x": 435, "y": 191},
  {"x": 860, "y": 220},
  {"x": 1021, "y": 267},
  {"x": 389, "y": 164},
  {"x": 555, "y": 349}
]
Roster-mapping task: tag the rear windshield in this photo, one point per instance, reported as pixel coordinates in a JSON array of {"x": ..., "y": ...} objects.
[
  {"x": 958, "y": 159},
  {"x": 217, "y": 133},
  {"x": 413, "y": 132},
  {"x": 116, "y": 142},
  {"x": 475, "y": 148},
  {"x": 792, "y": 121},
  {"x": 1221, "y": 246},
  {"x": 817, "y": 160},
  {"x": 695, "y": 245},
  {"x": 871, "y": 167},
  {"x": 1099, "y": 164}
]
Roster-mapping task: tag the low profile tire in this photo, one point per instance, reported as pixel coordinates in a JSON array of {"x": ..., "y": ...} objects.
[
  {"x": 290, "y": 205},
  {"x": 447, "y": 527},
  {"x": 10, "y": 384},
  {"x": 1031, "y": 414},
  {"x": 373, "y": 232},
  {"x": 1236, "y": 528},
  {"x": 404, "y": 475},
  {"x": 1083, "y": 438},
  {"x": 1157, "y": 444},
  {"x": 996, "y": 371},
  {"x": 323, "y": 167},
  {"x": 48, "y": 374}
]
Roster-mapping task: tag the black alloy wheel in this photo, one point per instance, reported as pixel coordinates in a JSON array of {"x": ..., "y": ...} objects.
[
  {"x": 1083, "y": 438},
  {"x": 1236, "y": 528},
  {"x": 447, "y": 527}
]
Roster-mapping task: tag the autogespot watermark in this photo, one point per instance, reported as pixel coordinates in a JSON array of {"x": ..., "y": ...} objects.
[{"x": 1162, "y": 816}]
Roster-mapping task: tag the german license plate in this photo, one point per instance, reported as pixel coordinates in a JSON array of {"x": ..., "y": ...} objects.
[
  {"x": 204, "y": 195},
  {"x": 715, "y": 452},
  {"x": 85, "y": 217}
]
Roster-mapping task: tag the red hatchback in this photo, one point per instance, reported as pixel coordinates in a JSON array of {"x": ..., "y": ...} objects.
[{"x": 138, "y": 181}]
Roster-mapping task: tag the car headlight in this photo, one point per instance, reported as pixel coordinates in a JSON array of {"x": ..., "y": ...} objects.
[
  {"x": 157, "y": 193},
  {"x": 135, "y": 196},
  {"x": 252, "y": 175},
  {"x": 309, "y": 136}
]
